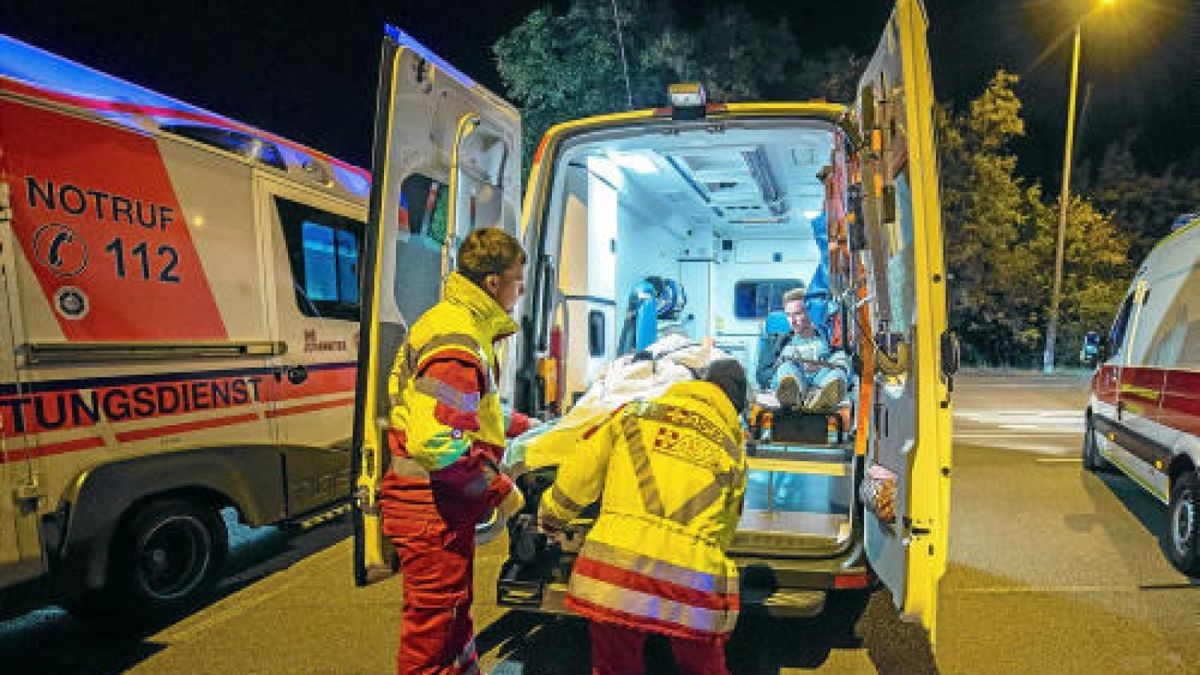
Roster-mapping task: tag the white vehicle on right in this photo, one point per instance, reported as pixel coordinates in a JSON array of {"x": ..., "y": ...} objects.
[{"x": 1143, "y": 413}]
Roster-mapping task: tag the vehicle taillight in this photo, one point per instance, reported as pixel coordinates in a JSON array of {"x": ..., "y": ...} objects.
[{"x": 849, "y": 581}]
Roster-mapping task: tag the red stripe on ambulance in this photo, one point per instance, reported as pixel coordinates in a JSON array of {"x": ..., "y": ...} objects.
[
  {"x": 310, "y": 407},
  {"x": 48, "y": 449},
  {"x": 183, "y": 427}
]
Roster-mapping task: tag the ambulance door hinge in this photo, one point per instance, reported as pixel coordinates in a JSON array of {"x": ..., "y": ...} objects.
[
  {"x": 5, "y": 204},
  {"x": 29, "y": 496},
  {"x": 366, "y": 501},
  {"x": 916, "y": 530}
]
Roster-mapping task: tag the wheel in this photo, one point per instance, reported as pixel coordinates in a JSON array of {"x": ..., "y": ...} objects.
[
  {"x": 1184, "y": 523},
  {"x": 167, "y": 557},
  {"x": 1092, "y": 461}
]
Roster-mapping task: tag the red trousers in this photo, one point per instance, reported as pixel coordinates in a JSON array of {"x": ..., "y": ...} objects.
[
  {"x": 617, "y": 650},
  {"x": 436, "y": 556}
]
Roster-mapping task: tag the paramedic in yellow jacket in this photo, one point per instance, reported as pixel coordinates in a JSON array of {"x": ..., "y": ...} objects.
[
  {"x": 446, "y": 436},
  {"x": 670, "y": 474}
]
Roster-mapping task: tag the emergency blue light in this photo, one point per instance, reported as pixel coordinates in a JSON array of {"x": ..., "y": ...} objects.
[{"x": 1184, "y": 220}]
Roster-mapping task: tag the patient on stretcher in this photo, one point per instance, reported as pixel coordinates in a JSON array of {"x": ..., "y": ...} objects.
[{"x": 645, "y": 374}]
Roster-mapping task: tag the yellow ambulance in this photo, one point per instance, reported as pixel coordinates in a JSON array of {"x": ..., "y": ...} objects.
[{"x": 726, "y": 205}]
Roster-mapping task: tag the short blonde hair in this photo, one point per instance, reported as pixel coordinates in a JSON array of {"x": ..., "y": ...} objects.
[
  {"x": 488, "y": 250},
  {"x": 798, "y": 293}
]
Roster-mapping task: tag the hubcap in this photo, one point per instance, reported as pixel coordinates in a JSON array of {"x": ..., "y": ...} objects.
[
  {"x": 173, "y": 557},
  {"x": 1184, "y": 523}
]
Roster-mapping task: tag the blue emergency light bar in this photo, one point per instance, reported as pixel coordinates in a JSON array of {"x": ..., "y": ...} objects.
[
  {"x": 405, "y": 40},
  {"x": 123, "y": 102}
]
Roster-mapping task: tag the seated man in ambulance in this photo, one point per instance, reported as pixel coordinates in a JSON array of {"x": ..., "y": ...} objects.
[{"x": 808, "y": 374}]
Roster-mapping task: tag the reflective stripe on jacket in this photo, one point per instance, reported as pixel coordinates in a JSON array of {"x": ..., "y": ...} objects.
[
  {"x": 443, "y": 384},
  {"x": 672, "y": 474}
]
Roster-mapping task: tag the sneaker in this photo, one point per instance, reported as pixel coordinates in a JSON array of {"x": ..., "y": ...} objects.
[
  {"x": 788, "y": 392},
  {"x": 825, "y": 398}
]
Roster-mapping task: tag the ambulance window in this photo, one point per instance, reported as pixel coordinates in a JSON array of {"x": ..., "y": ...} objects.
[
  {"x": 424, "y": 207},
  {"x": 754, "y": 299},
  {"x": 1117, "y": 335},
  {"x": 323, "y": 249}
]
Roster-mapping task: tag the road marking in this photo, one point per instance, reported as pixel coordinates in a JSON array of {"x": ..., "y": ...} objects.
[
  {"x": 986, "y": 435},
  {"x": 1062, "y": 460}
]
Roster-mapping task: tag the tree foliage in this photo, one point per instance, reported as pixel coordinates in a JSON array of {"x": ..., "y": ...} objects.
[
  {"x": 1001, "y": 233},
  {"x": 1001, "y": 239},
  {"x": 561, "y": 66},
  {"x": 1143, "y": 204}
]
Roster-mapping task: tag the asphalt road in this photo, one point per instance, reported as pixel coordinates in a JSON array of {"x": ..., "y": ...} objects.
[{"x": 1052, "y": 570}]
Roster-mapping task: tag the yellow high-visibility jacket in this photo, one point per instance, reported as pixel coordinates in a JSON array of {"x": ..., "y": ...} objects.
[
  {"x": 670, "y": 474},
  {"x": 443, "y": 413}
]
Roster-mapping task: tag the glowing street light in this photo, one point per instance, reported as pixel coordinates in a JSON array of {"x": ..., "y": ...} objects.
[{"x": 1064, "y": 197}]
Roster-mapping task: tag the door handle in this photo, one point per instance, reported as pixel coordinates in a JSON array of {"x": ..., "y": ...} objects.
[{"x": 296, "y": 374}]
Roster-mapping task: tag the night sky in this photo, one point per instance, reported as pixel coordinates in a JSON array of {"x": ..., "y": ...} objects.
[{"x": 307, "y": 69}]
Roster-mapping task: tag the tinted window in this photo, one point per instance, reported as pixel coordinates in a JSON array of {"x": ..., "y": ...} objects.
[
  {"x": 753, "y": 299},
  {"x": 1116, "y": 336},
  {"x": 596, "y": 333},
  {"x": 323, "y": 250}
]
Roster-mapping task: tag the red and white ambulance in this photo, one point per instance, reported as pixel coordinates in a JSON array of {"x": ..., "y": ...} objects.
[
  {"x": 1143, "y": 414},
  {"x": 178, "y": 321}
]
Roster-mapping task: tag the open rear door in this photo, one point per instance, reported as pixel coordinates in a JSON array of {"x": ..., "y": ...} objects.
[
  {"x": 910, "y": 423},
  {"x": 446, "y": 160}
]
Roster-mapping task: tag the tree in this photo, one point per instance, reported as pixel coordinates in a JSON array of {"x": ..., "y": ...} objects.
[
  {"x": 558, "y": 67},
  {"x": 1001, "y": 238},
  {"x": 988, "y": 212},
  {"x": 563, "y": 66},
  {"x": 1143, "y": 204}
]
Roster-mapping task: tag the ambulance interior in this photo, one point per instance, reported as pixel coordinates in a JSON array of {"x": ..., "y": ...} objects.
[{"x": 731, "y": 213}]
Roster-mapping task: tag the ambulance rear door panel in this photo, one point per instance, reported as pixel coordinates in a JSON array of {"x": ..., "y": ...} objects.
[
  {"x": 910, "y": 425},
  {"x": 314, "y": 242},
  {"x": 141, "y": 312},
  {"x": 446, "y": 160}
]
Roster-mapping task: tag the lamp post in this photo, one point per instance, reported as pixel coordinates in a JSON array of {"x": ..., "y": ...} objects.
[{"x": 1063, "y": 198}]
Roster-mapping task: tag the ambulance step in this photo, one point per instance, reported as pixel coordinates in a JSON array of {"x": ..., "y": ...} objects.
[
  {"x": 311, "y": 520},
  {"x": 794, "y": 604}
]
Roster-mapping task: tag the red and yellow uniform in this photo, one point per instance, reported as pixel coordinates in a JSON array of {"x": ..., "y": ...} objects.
[
  {"x": 672, "y": 474},
  {"x": 447, "y": 435}
]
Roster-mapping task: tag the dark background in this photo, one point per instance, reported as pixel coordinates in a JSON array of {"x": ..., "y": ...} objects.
[{"x": 306, "y": 69}]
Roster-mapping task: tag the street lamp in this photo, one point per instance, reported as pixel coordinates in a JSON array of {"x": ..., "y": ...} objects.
[{"x": 1064, "y": 197}]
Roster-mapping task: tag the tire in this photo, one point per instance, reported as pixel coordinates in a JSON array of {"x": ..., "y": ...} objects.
[
  {"x": 167, "y": 558},
  {"x": 1092, "y": 461},
  {"x": 1183, "y": 524}
]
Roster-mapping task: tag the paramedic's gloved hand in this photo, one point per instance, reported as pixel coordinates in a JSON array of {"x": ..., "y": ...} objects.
[
  {"x": 501, "y": 493},
  {"x": 555, "y": 532}
]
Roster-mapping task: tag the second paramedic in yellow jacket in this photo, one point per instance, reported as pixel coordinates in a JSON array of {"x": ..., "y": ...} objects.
[{"x": 670, "y": 474}]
